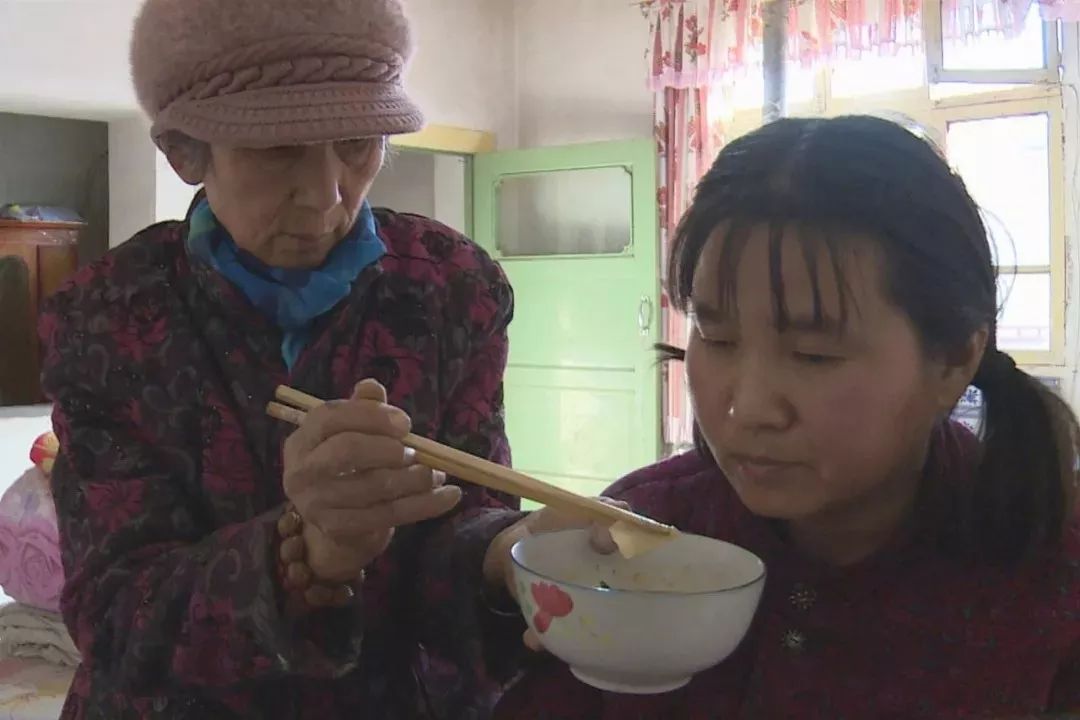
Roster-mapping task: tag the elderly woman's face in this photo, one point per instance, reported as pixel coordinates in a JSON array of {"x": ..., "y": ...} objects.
[{"x": 289, "y": 206}]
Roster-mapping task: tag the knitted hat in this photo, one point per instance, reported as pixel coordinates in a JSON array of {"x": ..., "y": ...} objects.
[{"x": 263, "y": 73}]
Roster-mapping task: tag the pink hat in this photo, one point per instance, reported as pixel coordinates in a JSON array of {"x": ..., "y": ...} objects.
[{"x": 263, "y": 73}]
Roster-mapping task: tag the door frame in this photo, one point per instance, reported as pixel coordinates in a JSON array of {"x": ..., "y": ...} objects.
[
  {"x": 447, "y": 139},
  {"x": 450, "y": 140}
]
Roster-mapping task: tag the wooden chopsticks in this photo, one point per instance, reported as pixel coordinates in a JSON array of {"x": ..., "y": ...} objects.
[{"x": 294, "y": 404}]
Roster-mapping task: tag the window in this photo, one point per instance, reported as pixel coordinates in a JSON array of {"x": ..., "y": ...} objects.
[
  {"x": 800, "y": 88},
  {"x": 1032, "y": 55},
  {"x": 875, "y": 75},
  {"x": 995, "y": 106}
]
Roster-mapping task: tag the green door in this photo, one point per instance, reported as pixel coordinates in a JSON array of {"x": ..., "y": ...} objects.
[{"x": 575, "y": 229}]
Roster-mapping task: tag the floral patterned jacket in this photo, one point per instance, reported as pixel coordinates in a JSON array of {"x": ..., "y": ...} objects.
[{"x": 168, "y": 486}]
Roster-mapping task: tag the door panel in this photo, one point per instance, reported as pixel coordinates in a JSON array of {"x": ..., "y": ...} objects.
[{"x": 575, "y": 229}]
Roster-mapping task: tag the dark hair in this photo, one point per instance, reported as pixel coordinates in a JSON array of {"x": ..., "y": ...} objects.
[{"x": 832, "y": 178}]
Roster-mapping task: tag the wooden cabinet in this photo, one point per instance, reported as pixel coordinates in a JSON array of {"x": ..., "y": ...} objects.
[{"x": 35, "y": 258}]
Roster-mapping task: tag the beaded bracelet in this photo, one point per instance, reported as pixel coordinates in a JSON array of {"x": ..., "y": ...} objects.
[{"x": 296, "y": 574}]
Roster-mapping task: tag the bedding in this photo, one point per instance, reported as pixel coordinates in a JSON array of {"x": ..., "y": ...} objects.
[{"x": 32, "y": 690}]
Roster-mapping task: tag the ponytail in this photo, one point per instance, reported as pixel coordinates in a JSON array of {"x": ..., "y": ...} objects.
[{"x": 1025, "y": 488}]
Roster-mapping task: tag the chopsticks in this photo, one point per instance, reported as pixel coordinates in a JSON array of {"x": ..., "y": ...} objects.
[{"x": 294, "y": 404}]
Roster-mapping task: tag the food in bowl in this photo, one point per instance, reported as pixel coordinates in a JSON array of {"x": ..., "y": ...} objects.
[{"x": 643, "y": 625}]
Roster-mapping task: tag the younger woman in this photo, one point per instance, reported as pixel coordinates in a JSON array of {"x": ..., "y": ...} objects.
[{"x": 843, "y": 298}]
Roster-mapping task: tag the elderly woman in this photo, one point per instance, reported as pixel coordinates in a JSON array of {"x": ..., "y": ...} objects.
[{"x": 217, "y": 565}]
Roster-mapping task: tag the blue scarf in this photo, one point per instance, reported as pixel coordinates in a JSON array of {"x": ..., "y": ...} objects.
[{"x": 292, "y": 299}]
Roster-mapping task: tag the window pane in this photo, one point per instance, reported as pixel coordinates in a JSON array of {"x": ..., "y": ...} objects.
[
  {"x": 543, "y": 213},
  {"x": 945, "y": 90},
  {"x": 874, "y": 74},
  {"x": 927, "y": 132},
  {"x": 1024, "y": 321},
  {"x": 996, "y": 52},
  {"x": 1005, "y": 162},
  {"x": 749, "y": 91},
  {"x": 969, "y": 408}
]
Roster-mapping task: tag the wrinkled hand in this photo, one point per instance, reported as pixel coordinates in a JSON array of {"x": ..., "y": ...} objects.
[
  {"x": 498, "y": 565},
  {"x": 353, "y": 481}
]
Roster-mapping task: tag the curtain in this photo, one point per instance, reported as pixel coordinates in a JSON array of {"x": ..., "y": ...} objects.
[
  {"x": 698, "y": 47},
  {"x": 687, "y": 139},
  {"x": 686, "y": 143},
  {"x": 696, "y": 43}
]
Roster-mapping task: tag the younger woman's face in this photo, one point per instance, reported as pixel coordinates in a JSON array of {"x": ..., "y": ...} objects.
[{"x": 812, "y": 421}]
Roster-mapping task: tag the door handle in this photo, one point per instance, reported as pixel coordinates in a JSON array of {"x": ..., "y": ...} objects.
[{"x": 644, "y": 315}]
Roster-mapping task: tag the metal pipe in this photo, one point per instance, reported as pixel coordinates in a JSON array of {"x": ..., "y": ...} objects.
[{"x": 774, "y": 15}]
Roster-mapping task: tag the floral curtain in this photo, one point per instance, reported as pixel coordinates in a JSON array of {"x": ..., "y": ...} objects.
[
  {"x": 697, "y": 47},
  {"x": 696, "y": 43},
  {"x": 686, "y": 143}
]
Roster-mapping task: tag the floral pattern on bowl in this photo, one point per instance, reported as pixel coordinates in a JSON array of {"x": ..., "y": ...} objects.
[{"x": 551, "y": 603}]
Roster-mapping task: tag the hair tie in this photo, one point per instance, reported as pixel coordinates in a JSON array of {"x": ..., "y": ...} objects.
[{"x": 995, "y": 366}]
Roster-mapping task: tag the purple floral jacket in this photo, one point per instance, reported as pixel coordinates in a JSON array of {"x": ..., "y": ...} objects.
[
  {"x": 906, "y": 634},
  {"x": 168, "y": 486}
]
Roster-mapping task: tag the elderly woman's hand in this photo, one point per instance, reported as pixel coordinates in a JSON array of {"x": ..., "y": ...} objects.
[{"x": 353, "y": 481}]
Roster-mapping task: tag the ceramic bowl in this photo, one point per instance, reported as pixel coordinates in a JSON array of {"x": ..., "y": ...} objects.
[{"x": 644, "y": 625}]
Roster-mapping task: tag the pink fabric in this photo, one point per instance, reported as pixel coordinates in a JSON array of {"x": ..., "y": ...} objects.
[
  {"x": 1063, "y": 10},
  {"x": 255, "y": 74},
  {"x": 30, "y": 569},
  {"x": 696, "y": 43},
  {"x": 686, "y": 143}
]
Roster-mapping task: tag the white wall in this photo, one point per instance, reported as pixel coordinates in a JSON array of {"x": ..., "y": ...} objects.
[
  {"x": 463, "y": 73},
  {"x": 143, "y": 188},
  {"x": 406, "y": 184},
  {"x": 450, "y": 192},
  {"x": 172, "y": 196},
  {"x": 66, "y": 57},
  {"x": 132, "y": 185},
  {"x": 19, "y": 427},
  {"x": 581, "y": 71},
  {"x": 424, "y": 183},
  {"x": 69, "y": 58}
]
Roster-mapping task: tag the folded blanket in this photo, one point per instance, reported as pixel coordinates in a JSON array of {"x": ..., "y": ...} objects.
[
  {"x": 39, "y": 213},
  {"x": 32, "y": 689},
  {"x": 30, "y": 567},
  {"x": 29, "y": 633}
]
